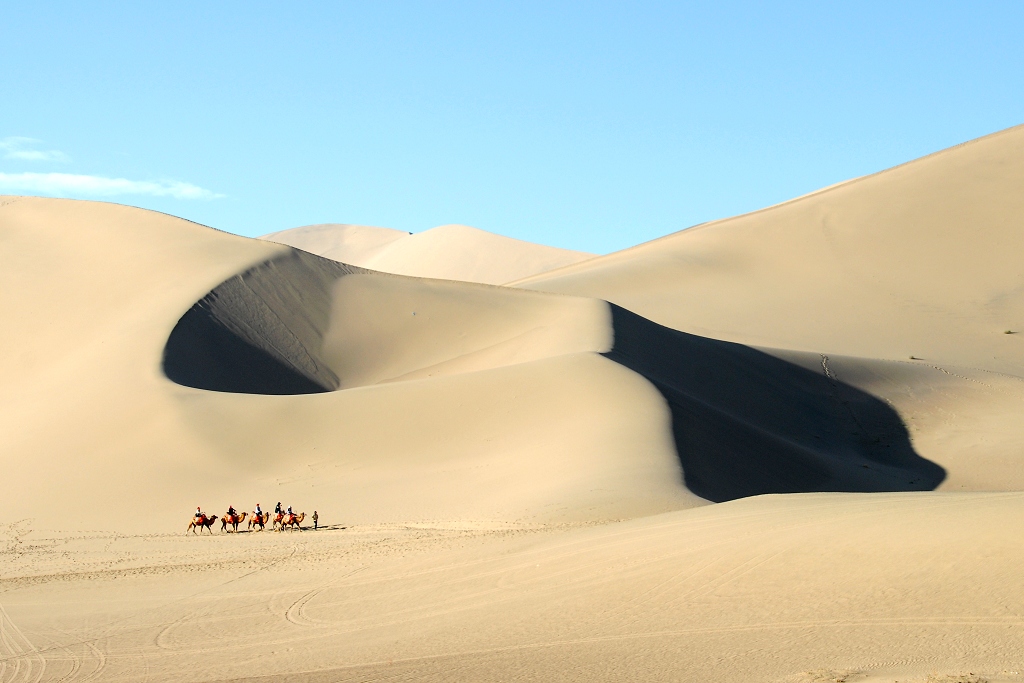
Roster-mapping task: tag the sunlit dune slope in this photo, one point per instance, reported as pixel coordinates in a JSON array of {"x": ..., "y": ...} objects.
[
  {"x": 920, "y": 260},
  {"x": 447, "y": 252},
  {"x": 516, "y": 416}
]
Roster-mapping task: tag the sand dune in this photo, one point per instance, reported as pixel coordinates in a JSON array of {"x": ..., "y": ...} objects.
[
  {"x": 523, "y": 482},
  {"x": 447, "y": 252},
  {"x": 511, "y": 386},
  {"x": 920, "y": 260},
  {"x": 744, "y": 422}
]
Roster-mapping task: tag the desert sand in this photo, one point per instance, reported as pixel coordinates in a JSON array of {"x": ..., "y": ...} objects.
[{"x": 784, "y": 446}]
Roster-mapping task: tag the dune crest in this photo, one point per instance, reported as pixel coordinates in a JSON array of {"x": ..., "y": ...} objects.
[{"x": 919, "y": 260}]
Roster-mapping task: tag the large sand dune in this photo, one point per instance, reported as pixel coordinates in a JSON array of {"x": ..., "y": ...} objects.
[
  {"x": 921, "y": 260},
  {"x": 87, "y": 404},
  {"x": 519, "y": 482}
]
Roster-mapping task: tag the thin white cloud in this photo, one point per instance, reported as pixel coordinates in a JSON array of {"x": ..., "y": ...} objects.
[
  {"x": 22, "y": 149},
  {"x": 71, "y": 185}
]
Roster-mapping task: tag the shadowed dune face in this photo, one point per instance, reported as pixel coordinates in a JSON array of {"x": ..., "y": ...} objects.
[
  {"x": 747, "y": 423},
  {"x": 259, "y": 332},
  {"x": 301, "y": 324},
  {"x": 744, "y": 422}
]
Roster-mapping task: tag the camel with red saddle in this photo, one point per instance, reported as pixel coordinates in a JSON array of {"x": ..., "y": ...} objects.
[
  {"x": 234, "y": 520},
  {"x": 201, "y": 523},
  {"x": 259, "y": 520},
  {"x": 292, "y": 521}
]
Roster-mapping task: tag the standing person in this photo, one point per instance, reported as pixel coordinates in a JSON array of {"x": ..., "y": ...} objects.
[{"x": 315, "y": 518}]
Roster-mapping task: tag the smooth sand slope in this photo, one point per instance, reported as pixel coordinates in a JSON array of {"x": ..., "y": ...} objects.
[
  {"x": 921, "y": 260},
  {"x": 447, "y": 252},
  {"x": 518, "y": 484}
]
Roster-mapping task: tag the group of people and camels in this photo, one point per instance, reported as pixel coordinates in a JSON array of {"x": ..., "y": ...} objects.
[{"x": 258, "y": 519}]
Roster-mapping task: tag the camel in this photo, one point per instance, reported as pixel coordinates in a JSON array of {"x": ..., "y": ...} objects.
[
  {"x": 278, "y": 520},
  {"x": 203, "y": 522},
  {"x": 233, "y": 520},
  {"x": 259, "y": 520},
  {"x": 294, "y": 522}
]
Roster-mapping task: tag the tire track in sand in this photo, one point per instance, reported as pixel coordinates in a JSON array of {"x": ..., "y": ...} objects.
[
  {"x": 160, "y": 639},
  {"x": 296, "y": 611},
  {"x": 20, "y": 651}
]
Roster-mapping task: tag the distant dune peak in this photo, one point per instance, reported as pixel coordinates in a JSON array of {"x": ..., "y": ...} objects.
[{"x": 446, "y": 252}]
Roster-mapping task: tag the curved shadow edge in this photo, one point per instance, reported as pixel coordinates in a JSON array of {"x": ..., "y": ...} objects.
[
  {"x": 259, "y": 332},
  {"x": 204, "y": 354},
  {"x": 747, "y": 423}
]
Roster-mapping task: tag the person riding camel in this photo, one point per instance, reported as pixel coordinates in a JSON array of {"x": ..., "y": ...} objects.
[
  {"x": 231, "y": 511},
  {"x": 199, "y": 513},
  {"x": 258, "y": 512}
]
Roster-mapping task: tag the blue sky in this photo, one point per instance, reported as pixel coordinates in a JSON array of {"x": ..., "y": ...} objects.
[{"x": 589, "y": 125}]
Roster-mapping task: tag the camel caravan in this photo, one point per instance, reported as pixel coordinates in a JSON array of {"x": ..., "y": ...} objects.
[{"x": 283, "y": 519}]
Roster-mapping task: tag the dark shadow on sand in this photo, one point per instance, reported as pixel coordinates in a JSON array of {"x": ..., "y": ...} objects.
[
  {"x": 203, "y": 353},
  {"x": 747, "y": 423},
  {"x": 259, "y": 332}
]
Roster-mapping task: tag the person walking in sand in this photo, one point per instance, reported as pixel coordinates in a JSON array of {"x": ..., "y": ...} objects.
[{"x": 315, "y": 518}]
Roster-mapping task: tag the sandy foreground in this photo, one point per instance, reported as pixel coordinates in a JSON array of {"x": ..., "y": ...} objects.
[
  {"x": 811, "y": 587},
  {"x": 780, "y": 447}
]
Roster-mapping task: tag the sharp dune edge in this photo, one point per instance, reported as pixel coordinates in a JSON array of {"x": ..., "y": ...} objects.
[{"x": 788, "y": 449}]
